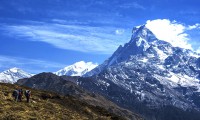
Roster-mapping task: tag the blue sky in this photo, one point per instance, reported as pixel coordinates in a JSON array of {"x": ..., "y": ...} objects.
[{"x": 47, "y": 35}]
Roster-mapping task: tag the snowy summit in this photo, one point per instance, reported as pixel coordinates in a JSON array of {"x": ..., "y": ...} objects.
[
  {"x": 13, "y": 74},
  {"x": 76, "y": 69}
]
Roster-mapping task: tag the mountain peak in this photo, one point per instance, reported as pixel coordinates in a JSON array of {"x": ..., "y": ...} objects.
[
  {"x": 83, "y": 65},
  {"x": 15, "y": 69},
  {"x": 76, "y": 69},
  {"x": 141, "y": 40},
  {"x": 142, "y": 36},
  {"x": 13, "y": 74}
]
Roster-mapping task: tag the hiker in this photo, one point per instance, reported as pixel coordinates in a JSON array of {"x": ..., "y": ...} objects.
[
  {"x": 28, "y": 95},
  {"x": 15, "y": 94},
  {"x": 20, "y": 95}
]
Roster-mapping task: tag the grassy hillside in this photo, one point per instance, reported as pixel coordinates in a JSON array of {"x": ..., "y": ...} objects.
[{"x": 47, "y": 105}]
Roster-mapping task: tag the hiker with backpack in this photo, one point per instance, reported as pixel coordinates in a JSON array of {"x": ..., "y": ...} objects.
[
  {"x": 15, "y": 94},
  {"x": 20, "y": 95},
  {"x": 28, "y": 95}
]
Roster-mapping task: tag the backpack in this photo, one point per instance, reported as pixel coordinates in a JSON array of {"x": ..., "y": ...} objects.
[
  {"x": 15, "y": 93},
  {"x": 20, "y": 92},
  {"x": 27, "y": 93}
]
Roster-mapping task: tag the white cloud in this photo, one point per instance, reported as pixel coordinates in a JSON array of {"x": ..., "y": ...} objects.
[
  {"x": 119, "y": 31},
  {"x": 190, "y": 27},
  {"x": 170, "y": 31},
  {"x": 198, "y": 50},
  {"x": 133, "y": 5},
  {"x": 72, "y": 37}
]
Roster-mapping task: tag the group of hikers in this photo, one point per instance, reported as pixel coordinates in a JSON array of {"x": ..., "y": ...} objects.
[{"x": 17, "y": 94}]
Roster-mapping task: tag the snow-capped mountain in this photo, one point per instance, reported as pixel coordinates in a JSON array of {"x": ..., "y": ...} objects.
[
  {"x": 140, "y": 42},
  {"x": 76, "y": 69},
  {"x": 12, "y": 75},
  {"x": 148, "y": 71}
]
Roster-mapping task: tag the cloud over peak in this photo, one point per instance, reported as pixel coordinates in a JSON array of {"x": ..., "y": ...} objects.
[{"x": 172, "y": 32}]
